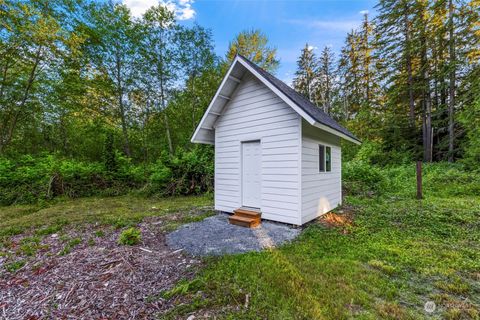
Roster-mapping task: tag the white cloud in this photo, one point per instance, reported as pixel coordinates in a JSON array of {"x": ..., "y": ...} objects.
[
  {"x": 138, "y": 7},
  {"x": 336, "y": 25},
  {"x": 310, "y": 48},
  {"x": 363, "y": 12},
  {"x": 182, "y": 8},
  {"x": 185, "y": 10}
]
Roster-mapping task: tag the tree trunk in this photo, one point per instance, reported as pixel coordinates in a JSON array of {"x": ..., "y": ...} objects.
[
  {"x": 408, "y": 62},
  {"x": 124, "y": 126},
  {"x": 4, "y": 79},
  {"x": 167, "y": 128},
  {"x": 5, "y": 140},
  {"x": 451, "y": 100},
  {"x": 121, "y": 106},
  {"x": 165, "y": 118},
  {"x": 327, "y": 93},
  {"x": 367, "y": 61},
  {"x": 427, "y": 102},
  {"x": 194, "y": 105}
]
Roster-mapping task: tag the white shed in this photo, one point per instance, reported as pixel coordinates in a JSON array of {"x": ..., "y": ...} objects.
[{"x": 276, "y": 153}]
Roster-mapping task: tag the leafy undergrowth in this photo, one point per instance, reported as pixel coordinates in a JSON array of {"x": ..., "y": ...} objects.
[{"x": 381, "y": 256}]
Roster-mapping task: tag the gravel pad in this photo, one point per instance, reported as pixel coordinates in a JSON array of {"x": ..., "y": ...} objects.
[{"x": 215, "y": 236}]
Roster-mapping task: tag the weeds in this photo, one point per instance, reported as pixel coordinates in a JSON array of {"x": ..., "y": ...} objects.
[
  {"x": 130, "y": 237},
  {"x": 14, "y": 266},
  {"x": 71, "y": 244}
]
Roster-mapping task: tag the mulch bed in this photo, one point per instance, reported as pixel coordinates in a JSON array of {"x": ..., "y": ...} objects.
[
  {"x": 339, "y": 218},
  {"x": 100, "y": 280}
]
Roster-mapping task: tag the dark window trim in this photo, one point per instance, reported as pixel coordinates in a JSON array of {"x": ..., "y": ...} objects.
[{"x": 321, "y": 158}]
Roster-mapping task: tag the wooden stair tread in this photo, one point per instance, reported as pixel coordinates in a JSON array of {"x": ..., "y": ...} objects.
[
  {"x": 244, "y": 221},
  {"x": 240, "y": 218},
  {"x": 245, "y": 217},
  {"x": 247, "y": 213}
]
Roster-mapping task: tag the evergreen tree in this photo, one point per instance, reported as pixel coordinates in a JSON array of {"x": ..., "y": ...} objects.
[
  {"x": 306, "y": 76},
  {"x": 326, "y": 86},
  {"x": 349, "y": 69}
]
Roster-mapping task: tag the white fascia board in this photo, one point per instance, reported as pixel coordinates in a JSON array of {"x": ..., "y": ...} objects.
[
  {"x": 204, "y": 141},
  {"x": 279, "y": 93},
  {"x": 210, "y": 106},
  {"x": 335, "y": 132}
]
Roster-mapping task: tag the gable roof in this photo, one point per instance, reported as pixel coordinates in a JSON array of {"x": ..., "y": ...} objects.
[{"x": 310, "y": 112}]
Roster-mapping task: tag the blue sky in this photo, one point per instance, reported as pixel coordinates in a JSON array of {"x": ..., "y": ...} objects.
[{"x": 288, "y": 24}]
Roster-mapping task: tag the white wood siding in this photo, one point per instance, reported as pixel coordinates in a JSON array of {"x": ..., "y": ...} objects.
[
  {"x": 256, "y": 113},
  {"x": 320, "y": 191}
]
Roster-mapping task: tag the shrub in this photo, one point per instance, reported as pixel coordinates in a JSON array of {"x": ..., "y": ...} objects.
[
  {"x": 130, "y": 237},
  {"x": 439, "y": 179},
  {"x": 188, "y": 172},
  {"x": 376, "y": 153},
  {"x": 159, "y": 177},
  {"x": 30, "y": 180},
  {"x": 370, "y": 152},
  {"x": 447, "y": 179},
  {"x": 360, "y": 178},
  {"x": 109, "y": 156}
]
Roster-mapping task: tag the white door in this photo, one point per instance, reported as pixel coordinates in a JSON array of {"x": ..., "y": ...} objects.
[{"x": 251, "y": 175}]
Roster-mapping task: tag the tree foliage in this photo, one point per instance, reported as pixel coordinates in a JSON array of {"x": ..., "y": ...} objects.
[
  {"x": 253, "y": 44},
  {"x": 407, "y": 80}
]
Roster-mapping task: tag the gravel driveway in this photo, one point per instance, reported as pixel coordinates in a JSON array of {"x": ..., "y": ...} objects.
[{"x": 215, "y": 236}]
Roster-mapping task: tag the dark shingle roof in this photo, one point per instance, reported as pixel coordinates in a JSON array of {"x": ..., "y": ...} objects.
[{"x": 312, "y": 110}]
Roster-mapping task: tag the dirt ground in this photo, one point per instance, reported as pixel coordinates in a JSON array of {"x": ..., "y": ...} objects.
[{"x": 93, "y": 277}]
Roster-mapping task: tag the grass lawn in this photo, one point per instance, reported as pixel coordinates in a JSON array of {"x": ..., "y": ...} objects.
[{"x": 116, "y": 211}]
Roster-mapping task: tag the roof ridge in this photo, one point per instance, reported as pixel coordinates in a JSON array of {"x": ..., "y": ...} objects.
[{"x": 305, "y": 104}]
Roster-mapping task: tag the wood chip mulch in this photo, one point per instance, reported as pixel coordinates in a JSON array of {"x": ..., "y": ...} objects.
[
  {"x": 100, "y": 280},
  {"x": 341, "y": 218}
]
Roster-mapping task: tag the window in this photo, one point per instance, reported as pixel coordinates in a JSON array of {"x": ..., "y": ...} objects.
[
  {"x": 328, "y": 159},
  {"x": 324, "y": 158},
  {"x": 321, "y": 159}
]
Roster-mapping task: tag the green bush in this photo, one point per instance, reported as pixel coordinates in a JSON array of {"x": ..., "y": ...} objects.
[
  {"x": 360, "y": 178},
  {"x": 373, "y": 152},
  {"x": 370, "y": 152},
  {"x": 188, "y": 172},
  {"x": 31, "y": 179},
  {"x": 130, "y": 237},
  {"x": 439, "y": 179},
  {"x": 447, "y": 179}
]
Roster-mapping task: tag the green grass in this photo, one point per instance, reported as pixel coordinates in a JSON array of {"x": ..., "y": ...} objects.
[{"x": 119, "y": 212}]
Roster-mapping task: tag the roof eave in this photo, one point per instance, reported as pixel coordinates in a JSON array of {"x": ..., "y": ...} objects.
[
  {"x": 337, "y": 133},
  {"x": 194, "y": 138}
]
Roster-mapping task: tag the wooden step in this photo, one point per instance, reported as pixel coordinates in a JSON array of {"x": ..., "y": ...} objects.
[
  {"x": 248, "y": 213},
  {"x": 244, "y": 221}
]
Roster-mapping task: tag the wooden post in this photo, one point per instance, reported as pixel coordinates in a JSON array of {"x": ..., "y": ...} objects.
[{"x": 419, "y": 180}]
